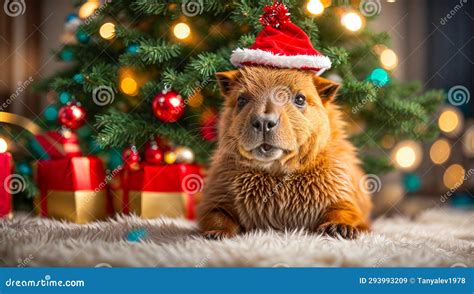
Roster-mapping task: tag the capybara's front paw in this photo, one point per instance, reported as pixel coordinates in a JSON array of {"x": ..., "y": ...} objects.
[
  {"x": 335, "y": 229},
  {"x": 218, "y": 234}
]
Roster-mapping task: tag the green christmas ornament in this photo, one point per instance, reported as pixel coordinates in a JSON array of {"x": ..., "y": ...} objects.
[{"x": 82, "y": 36}]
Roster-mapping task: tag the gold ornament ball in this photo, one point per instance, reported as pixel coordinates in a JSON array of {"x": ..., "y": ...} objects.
[
  {"x": 170, "y": 157},
  {"x": 184, "y": 155}
]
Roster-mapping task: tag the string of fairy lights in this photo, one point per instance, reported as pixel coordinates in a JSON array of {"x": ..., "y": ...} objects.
[
  {"x": 407, "y": 155},
  {"x": 350, "y": 18}
]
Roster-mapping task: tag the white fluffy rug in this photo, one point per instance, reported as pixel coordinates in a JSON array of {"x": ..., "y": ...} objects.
[{"x": 434, "y": 238}]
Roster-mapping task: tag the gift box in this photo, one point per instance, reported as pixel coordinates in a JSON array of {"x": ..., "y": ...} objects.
[
  {"x": 158, "y": 190},
  {"x": 59, "y": 144},
  {"x": 72, "y": 189},
  {"x": 5, "y": 178}
]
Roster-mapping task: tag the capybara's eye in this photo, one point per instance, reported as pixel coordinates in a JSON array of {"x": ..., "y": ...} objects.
[
  {"x": 300, "y": 100},
  {"x": 242, "y": 100}
]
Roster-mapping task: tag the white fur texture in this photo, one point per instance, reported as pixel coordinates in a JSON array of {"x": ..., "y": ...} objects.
[
  {"x": 434, "y": 238},
  {"x": 256, "y": 56}
]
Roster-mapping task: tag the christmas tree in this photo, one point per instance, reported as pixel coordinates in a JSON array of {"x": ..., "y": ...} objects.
[{"x": 145, "y": 68}]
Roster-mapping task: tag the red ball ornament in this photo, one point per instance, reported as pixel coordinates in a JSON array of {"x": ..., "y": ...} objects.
[
  {"x": 72, "y": 116},
  {"x": 168, "y": 106},
  {"x": 153, "y": 154},
  {"x": 208, "y": 127},
  {"x": 131, "y": 158}
]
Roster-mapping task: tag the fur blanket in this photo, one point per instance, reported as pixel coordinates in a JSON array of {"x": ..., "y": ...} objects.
[{"x": 435, "y": 238}]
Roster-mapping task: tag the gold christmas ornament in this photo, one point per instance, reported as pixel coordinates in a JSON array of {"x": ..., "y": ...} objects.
[
  {"x": 170, "y": 157},
  {"x": 184, "y": 154}
]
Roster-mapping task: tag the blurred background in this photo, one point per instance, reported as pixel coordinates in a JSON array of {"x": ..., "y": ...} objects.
[{"x": 432, "y": 41}]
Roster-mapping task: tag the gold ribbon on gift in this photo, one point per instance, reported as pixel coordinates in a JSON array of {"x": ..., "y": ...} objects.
[
  {"x": 18, "y": 120},
  {"x": 77, "y": 206},
  {"x": 153, "y": 204}
]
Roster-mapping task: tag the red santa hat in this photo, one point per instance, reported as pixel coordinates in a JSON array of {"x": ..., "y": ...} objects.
[{"x": 281, "y": 44}]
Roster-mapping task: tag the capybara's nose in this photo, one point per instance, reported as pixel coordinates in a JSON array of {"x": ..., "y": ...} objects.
[{"x": 264, "y": 123}]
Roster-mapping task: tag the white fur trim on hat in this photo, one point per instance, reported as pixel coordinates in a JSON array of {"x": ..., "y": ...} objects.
[{"x": 241, "y": 56}]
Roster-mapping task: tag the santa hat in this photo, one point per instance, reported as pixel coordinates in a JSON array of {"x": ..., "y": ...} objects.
[{"x": 281, "y": 44}]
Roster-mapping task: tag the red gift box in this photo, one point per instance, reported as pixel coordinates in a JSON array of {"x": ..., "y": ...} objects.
[
  {"x": 72, "y": 189},
  {"x": 60, "y": 144},
  {"x": 155, "y": 191},
  {"x": 5, "y": 177}
]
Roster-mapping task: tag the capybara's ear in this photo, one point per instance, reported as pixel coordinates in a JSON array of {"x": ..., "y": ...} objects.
[
  {"x": 327, "y": 89},
  {"x": 226, "y": 80}
]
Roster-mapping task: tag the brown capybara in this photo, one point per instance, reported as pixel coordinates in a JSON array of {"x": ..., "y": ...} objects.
[{"x": 283, "y": 160}]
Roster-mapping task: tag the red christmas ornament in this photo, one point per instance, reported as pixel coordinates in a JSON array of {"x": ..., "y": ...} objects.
[
  {"x": 275, "y": 15},
  {"x": 72, "y": 116},
  {"x": 131, "y": 158},
  {"x": 209, "y": 126},
  {"x": 153, "y": 154},
  {"x": 168, "y": 106}
]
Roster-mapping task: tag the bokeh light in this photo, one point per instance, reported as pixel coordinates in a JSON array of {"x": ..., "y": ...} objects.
[
  {"x": 129, "y": 86},
  {"x": 87, "y": 9},
  {"x": 453, "y": 176},
  {"x": 450, "y": 121},
  {"x": 352, "y": 21},
  {"x": 315, "y": 7},
  {"x": 440, "y": 151},
  {"x": 468, "y": 142},
  {"x": 3, "y": 145},
  {"x": 107, "y": 31},
  {"x": 389, "y": 59},
  {"x": 181, "y": 30},
  {"x": 412, "y": 182},
  {"x": 407, "y": 155}
]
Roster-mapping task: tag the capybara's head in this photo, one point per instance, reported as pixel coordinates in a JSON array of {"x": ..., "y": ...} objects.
[{"x": 274, "y": 118}]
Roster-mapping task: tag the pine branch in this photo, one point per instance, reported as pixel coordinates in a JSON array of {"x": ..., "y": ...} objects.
[
  {"x": 156, "y": 52},
  {"x": 156, "y": 7},
  {"x": 119, "y": 129}
]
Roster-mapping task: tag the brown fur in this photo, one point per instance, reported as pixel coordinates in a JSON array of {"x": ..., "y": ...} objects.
[{"x": 315, "y": 183}]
